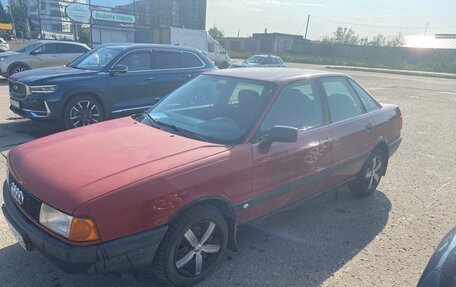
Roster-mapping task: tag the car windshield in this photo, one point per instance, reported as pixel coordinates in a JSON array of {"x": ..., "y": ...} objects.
[
  {"x": 255, "y": 59},
  {"x": 97, "y": 59},
  {"x": 28, "y": 48},
  {"x": 212, "y": 108}
]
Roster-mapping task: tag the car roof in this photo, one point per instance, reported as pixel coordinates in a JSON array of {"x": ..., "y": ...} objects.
[
  {"x": 272, "y": 74},
  {"x": 60, "y": 41},
  {"x": 156, "y": 46}
]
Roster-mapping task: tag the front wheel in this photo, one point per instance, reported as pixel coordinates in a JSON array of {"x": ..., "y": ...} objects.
[
  {"x": 370, "y": 175},
  {"x": 82, "y": 111},
  {"x": 17, "y": 69},
  {"x": 192, "y": 247}
]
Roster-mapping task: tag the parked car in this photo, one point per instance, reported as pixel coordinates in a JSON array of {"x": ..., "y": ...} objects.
[
  {"x": 3, "y": 45},
  {"x": 260, "y": 61},
  {"x": 110, "y": 81},
  {"x": 441, "y": 269},
  {"x": 7, "y": 36},
  {"x": 167, "y": 188},
  {"x": 46, "y": 53}
]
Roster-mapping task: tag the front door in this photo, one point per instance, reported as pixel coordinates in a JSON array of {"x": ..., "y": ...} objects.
[
  {"x": 288, "y": 172},
  {"x": 132, "y": 91},
  {"x": 45, "y": 56},
  {"x": 350, "y": 126}
]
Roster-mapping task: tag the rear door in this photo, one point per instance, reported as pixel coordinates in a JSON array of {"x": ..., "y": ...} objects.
[
  {"x": 351, "y": 129},
  {"x": 288, "y": 172},
  {"x": 68, "y": 52},
  {"x": 45, "y": 56},
  {"x": 132, "y": 91}
]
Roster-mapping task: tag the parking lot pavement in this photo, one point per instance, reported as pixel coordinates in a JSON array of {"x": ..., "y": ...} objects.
[{"x": 382, "y": 240}]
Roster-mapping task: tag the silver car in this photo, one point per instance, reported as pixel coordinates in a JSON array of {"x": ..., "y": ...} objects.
[
  {"x": 46, "y": 53},
  {"x": 260, "y": 61}
]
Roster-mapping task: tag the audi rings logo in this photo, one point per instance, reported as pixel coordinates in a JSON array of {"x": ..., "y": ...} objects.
[{"x": 17, "y": 193}]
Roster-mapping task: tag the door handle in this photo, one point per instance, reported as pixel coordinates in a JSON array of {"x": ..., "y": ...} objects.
[
  {"x": 325, "y": 141},
  {"x": 150, "y": 79},
  {"x": 369, "y": 126},
  {"x": 188, "y": 76}
]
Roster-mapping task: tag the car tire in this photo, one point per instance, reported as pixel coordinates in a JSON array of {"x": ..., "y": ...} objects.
[
  {"x": 17, "y": 68},
  {"x": 369, "y": 177},
  {"x": 82, "y": 110},
  {"x": 192, "y": 247}
]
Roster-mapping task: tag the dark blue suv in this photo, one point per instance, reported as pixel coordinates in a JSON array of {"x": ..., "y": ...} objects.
[{"x": 107, "y": 82}]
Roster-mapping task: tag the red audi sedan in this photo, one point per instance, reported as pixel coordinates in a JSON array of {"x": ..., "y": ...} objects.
[{"x": 168, "y": 188}]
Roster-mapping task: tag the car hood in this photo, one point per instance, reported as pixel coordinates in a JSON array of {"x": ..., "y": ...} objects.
[
  {"x": 35, "y": 75},
  {"x": 245, "y": 64},
  {"x": 70, "y": 168},
  {"x": 9, "y": 53}
]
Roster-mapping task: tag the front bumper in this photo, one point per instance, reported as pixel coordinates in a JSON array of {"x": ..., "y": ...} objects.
[{"x": 133, "y": 252}]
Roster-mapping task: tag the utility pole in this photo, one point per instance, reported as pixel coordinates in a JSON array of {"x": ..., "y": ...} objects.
[
  {"x": 307, "y": 27},
  {"x": 239, "y": 31},
  {"x": 425, "y": 30}
]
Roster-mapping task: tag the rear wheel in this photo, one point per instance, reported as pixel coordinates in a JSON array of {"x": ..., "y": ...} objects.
[
  {"x": 192, "y": 247},
  {"x": 370, "y": 175},
  {"x": 17, "y": 69},
  {"x": 81, "y": 111}
]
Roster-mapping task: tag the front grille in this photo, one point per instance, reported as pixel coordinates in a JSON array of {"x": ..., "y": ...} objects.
[
  {"x": 31, "y": 204},
  {"x": 17, "y": 90}
]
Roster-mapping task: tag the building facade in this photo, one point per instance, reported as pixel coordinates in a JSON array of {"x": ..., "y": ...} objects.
[{"x": 104, "y": 21}]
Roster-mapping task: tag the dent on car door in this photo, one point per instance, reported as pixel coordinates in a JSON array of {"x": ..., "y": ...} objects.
[
  {"x": 351, "y": 129},
  {"x": 287, "y": 172}
]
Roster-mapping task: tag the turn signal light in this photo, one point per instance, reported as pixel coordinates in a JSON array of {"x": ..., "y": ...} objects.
[{"x": 83, "y": 229}]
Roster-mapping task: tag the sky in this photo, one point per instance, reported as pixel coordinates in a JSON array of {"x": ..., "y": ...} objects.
[{"x": 365, "y": 17}]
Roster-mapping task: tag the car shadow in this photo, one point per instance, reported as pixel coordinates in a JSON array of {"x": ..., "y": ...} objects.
[{"x": 298, "y": 247}]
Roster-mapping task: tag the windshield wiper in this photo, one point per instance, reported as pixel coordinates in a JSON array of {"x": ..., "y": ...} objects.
[
  {"x": 153, "y": 122},
  {"x": 183, "y": 131}
]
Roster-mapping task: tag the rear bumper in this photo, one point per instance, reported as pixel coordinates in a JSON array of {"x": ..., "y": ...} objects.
[
  {"x": 132, "y": 252},
  {"x": 394, "y": 145}
]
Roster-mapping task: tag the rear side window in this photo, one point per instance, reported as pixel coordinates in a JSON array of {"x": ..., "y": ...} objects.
[
  {"x": 139, "y": 61},
  {"x": 192, "y": 61},
  {"x": 342, "y": 100},
  {"x": 71, "y": 49},
  {"x": 367, "y": 100},
  {"x": 168, "y": 60}
]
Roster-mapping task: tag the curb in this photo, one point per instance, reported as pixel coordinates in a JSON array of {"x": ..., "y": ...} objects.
[{"x": 398, "y": 72}]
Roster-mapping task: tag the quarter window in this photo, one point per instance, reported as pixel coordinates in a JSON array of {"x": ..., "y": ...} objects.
[
  {"x": 342, "y": 100},
  {"x": 191, "y": 61},
  {"x": 298, "y": 105},
  {"x": 368, "y": 101},
  {"x": 137, "y": 61}
]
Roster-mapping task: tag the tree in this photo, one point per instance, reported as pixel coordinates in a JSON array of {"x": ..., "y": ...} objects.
[
  {"x": 19, "y": 13},
  {"x": 216, "y": 33},
  {"x": 4, "y": 15},
  {"x": 396, "y": 41},
  {"x": 345, "y": 36},
  {"x": 378, "y": 41}
]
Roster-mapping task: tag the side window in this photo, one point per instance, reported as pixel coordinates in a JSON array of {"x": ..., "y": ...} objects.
[
  {"x": 139, "y": 61},
  {"x": 274, "y": 61},
  {"x": 210, "y": 48},
  {"x": 46, "y": 49},
  {"x": 342, "y": 101},
  {"x": 71, "y": 49},
  {"x": 367, "y": 100},
  {"x": 267, "y": 61},
  {"x": 192, "y": 61},
  {"x": 298, "y": 105},
  {"x": 168, "y": 60}
]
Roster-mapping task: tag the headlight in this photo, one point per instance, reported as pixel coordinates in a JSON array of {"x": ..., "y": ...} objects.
[
  {"x": 73, "y": 228},
  {"x": 43, "y": 89},
  {"x": 2, "y": 59}
]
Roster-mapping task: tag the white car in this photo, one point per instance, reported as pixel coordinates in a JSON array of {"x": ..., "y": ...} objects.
[{"x": 3, "y": 45}]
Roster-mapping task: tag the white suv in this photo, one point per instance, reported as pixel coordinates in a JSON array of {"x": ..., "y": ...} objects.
[{"x": 40, "y": 54}]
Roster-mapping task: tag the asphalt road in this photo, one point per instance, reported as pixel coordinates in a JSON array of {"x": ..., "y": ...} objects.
[{"x": 383, "y": 240}]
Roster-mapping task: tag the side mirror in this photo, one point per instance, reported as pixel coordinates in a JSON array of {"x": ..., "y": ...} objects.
[
  {"x": 280, "y": 134},
  {"x": 34, "y": 52},
  {"x": 155, "y": 101},
  {"x": 118, "y": 69}
]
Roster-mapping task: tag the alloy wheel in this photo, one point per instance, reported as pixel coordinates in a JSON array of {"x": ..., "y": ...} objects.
[
  {"x": 84, "y": 112},
  {"x": 373, "y": 173},
  {"x": 198, "y": 249}
]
